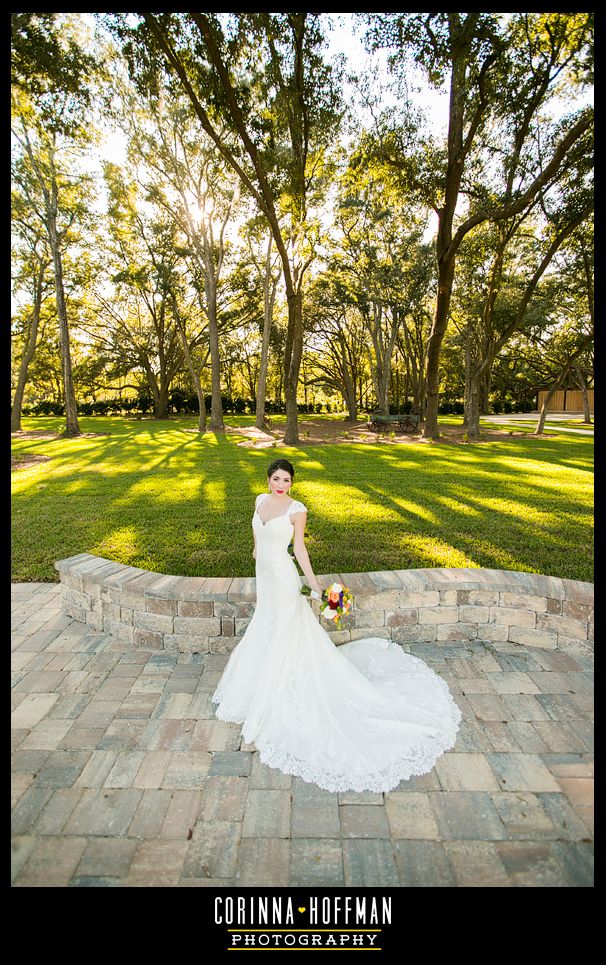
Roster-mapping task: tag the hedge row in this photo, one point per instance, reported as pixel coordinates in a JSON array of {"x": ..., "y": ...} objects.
[{"x": 182, "y": 404}]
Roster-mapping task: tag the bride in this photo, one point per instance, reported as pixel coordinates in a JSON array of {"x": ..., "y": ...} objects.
[{"x": 361, "y": 716}]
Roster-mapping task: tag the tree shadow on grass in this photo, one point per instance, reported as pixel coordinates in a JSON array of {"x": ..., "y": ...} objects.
[
  {"x": 384, "y": 507},
  {"x": 522, "y": 542}
]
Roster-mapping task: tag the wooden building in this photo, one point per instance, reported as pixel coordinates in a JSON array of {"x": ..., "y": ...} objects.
[{"x": 565, "y": 400}]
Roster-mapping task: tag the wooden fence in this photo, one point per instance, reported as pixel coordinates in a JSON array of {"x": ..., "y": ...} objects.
[{"x": 565, "y": 400}]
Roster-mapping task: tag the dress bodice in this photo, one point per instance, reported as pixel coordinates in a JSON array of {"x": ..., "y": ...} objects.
[{"x": 277, "y": 528}]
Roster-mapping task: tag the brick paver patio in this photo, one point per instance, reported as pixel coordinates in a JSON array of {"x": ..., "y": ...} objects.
[{"x": 121, "y": 776}]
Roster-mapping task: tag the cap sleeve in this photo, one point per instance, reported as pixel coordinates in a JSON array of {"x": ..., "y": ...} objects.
[
  {"x": 296, "y": 507},
  {"x": 259, "y": 499}
]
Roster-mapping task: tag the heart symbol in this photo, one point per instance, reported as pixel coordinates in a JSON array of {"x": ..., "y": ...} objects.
[{"x": 301, "y": 909}]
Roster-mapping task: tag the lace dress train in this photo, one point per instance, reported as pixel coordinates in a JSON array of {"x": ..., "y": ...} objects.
[{"x": 361, "y": 716}]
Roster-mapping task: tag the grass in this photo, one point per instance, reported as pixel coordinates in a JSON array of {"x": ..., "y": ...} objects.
[
  {"x": 554, "y": 427},
  {"x": 151, "y": 494},
  {"x": 527, "y": 425},
  {"x": 568, "y": 423}
]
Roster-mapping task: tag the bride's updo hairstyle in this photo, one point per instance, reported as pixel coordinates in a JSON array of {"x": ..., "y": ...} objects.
[{"x": 281, "y": 464}]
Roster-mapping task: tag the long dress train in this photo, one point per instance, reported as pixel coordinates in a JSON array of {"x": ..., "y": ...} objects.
[{"x": 361, "y": 716}]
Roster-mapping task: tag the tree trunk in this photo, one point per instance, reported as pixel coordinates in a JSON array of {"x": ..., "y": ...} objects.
[
  {"x": 158, "y": 389},
  {"x": 352, "y": 409},
  {"x": 583, "y": 387},
  {"x": 72, "y": 427},
  {"x": 268, "y": 311},
  {"x": 484, "y": 390},
  {"x": 262, "y": 383},
  {"x": 432, "y": 380},
  {"x": 473, "y": 414},
  {"x": 378, "y": 371},
  {"x": 473, "y": 391},
  {"x": 543, "y": 412},
  {"x": 200, "y": 394},
  {"x": 586, "y": 409},
  {"x": 383, "y": 396},
  {"x": 407, "y": 380},
  {"x": 161, "y": 402},
  {"x": 192, "y": 369},
  {"x": 467, "y": 399},
  {"x": 293, "y": 353},
  {"x": 417, "y": 375},
  {"x": 446, "y": 250},
  {"x": 28, "y": 354},
  {"x": 349, "y": 397},
  {"x": 383, "y": 348},
  {"x": 349, "y": 383},
  {"x": 216, "y": 407}
]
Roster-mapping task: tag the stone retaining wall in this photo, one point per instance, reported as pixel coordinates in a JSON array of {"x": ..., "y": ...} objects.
[{"x": 197, "y": 614}]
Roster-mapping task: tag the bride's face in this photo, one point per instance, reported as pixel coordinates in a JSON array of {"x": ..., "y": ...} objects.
[{"x": 280, "y": 482}]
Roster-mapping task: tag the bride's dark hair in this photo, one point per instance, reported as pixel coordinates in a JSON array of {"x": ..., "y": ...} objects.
[{"x": 281, "y": 464}]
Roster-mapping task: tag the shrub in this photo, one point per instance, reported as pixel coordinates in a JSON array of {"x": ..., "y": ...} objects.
[
  {"x": 177, "y": 400},
  {"x": 144, "y": 402},
  {"x": 85, "y": 408},
  {"x": 48, "y": 408},
  {"x": 272, "y": 405}
]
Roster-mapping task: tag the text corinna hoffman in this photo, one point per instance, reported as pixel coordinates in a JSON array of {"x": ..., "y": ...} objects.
[{"x": 337, "y": 911}]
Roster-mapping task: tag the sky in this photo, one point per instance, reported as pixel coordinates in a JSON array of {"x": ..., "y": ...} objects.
[
  {"x": 346, "y": 38},
  {"x": 343, "y": 39}
]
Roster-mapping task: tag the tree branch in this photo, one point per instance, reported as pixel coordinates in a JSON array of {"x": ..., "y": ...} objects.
[{"x": 514, "y": 207}]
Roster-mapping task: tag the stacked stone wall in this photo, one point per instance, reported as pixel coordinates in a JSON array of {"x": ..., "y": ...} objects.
[{"x": 210, "y": 615}]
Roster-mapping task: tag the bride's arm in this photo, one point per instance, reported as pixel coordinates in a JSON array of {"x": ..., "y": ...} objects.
[
  {"x": 257, "y": 501},
  {"x": 299, "y": 520}
]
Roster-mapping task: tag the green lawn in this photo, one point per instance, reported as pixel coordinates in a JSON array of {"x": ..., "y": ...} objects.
[
  {"x": 578, "y": 422},
  {"x": 151, "y": 494},
  {"x": 551, "y": 427},
  {"x": 568, "y": 423}
]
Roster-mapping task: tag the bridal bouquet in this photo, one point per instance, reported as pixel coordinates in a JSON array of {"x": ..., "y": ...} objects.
[{"x": 337, "y": 601}]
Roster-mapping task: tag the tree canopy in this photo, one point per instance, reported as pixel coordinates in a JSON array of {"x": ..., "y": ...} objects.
[{"x": 208, "y": 215}]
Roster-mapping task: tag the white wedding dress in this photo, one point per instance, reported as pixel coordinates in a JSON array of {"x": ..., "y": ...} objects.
[{"x": 361, "y": 716}]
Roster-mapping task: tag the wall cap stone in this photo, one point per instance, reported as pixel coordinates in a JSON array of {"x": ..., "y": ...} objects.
[{"x": 198, "y": 589}]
